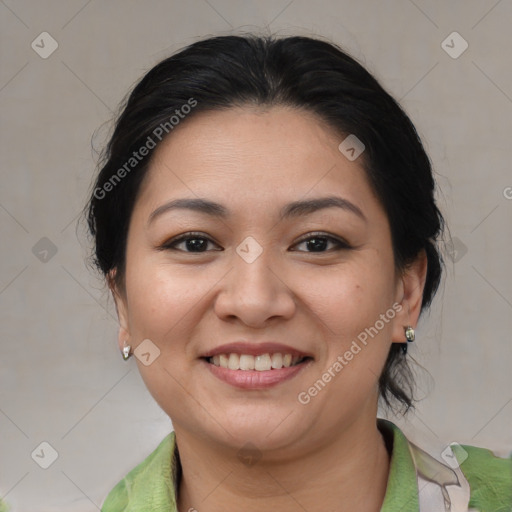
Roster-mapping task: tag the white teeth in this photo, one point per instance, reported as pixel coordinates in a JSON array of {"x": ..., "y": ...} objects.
[
  {"x": 234, "y": 362},
  {"x": 277, "y": 361},
  {"x": 261, "y": 363},
  {"x": 246, "y": 362}
]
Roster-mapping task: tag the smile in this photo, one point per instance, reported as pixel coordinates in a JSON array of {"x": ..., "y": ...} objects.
[
  {"x": 256, "y": 372},
  {"x": 260, "y": 363}
]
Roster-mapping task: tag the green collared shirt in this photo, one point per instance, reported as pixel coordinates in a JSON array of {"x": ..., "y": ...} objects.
[{"x": 417, "y": 481}]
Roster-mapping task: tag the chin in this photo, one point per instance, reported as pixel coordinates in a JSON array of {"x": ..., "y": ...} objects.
[{"x": 264, "y": 433}]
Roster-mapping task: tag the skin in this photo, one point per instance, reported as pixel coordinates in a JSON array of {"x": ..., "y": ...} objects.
[{"x": 328, "y": 454}]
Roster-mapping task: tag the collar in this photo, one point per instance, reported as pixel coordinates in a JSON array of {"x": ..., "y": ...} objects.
[{"x": 402, "y": 488}]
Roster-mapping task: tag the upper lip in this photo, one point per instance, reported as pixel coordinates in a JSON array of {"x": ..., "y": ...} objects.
[{"x": 255, "y": 349}]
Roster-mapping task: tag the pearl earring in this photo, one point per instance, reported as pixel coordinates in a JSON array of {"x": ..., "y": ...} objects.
[{"x": 126, "y": 351}]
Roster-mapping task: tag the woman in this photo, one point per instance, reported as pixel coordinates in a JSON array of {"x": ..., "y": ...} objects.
[{"x": 265, "y": 219}]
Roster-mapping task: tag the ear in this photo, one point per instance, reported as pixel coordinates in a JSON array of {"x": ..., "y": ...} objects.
[
  {"x": 410, "y": 295},
  {"x": 121, "y": 309}
]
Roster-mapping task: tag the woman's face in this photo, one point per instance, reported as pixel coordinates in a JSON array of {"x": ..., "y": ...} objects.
[{"x": 268, "y": 266}]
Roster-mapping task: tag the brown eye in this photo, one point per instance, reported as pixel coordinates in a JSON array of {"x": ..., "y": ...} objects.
[
  {"x": 189, "y": 242},
  {"x": 195, "y": 244},
  {"x": 321, "y": 243}
]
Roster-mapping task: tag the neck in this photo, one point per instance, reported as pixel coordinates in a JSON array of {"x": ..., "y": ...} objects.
[{"x": 348, "y": 472}]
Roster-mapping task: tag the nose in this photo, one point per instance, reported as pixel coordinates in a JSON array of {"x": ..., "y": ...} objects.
[{"x": 255, "y": 293}]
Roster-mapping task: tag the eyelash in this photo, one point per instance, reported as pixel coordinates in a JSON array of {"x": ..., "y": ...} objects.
[
  {"x": 171, "y": 244},
  {"x": 339, "y": 243}
]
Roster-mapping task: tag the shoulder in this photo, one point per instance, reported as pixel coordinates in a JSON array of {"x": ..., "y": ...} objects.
[
  {"x": 478, "y": 479},
  {"x": 149, "y": 485},
  {"x": 489, "y": 477}
]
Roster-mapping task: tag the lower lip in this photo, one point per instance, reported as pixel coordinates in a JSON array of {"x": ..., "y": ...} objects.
[{"x": 253, "y": 379}]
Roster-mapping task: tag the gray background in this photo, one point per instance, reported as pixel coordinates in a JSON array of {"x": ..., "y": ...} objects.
[{"x": 62, "y": 379}]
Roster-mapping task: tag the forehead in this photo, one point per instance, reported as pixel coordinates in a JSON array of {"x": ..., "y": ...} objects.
[{"x": 251, "y": 155}]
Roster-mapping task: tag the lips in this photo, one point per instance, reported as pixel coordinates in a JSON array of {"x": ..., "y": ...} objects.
[{"x": 254, "y": 366}]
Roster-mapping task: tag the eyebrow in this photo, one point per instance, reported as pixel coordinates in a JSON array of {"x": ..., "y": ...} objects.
[
  {"x": 300, "y": 208},
  {"x": 295, "y": 209},
  {"x": 198, "y": 205}
]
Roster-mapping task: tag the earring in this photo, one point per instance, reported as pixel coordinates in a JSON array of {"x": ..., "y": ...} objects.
[
  {"x": 126, "y": 351},
  {"x": 410, "y": 335}
]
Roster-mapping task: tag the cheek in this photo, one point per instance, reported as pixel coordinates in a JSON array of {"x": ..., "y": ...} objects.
[
  {"x": 163, "y": 307},
  {"x": 354, "y": 309},
  {"x": 351, "y": 298},
  {"x": 159, "y": 299}
]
